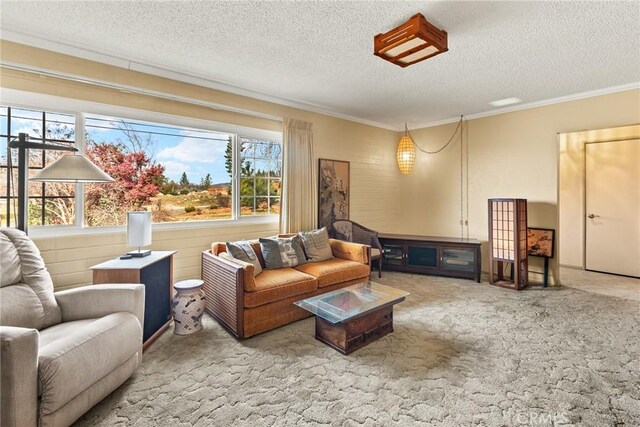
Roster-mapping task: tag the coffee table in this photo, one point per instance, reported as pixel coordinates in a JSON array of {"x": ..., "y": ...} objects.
[{"x": 350, "y": 318}]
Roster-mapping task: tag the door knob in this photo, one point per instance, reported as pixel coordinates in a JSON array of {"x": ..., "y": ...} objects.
[{"x": 593, "y": 216}]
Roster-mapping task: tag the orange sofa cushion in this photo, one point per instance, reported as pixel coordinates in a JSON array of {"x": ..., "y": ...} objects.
[
  {"x": 275, "y": 285},
  {"x": 335, "y": 270}
]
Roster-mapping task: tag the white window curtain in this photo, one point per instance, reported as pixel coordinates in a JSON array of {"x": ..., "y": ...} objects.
[{"x": 299, "y": 199}]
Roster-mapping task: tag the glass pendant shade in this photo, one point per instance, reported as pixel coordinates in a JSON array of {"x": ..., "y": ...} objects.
[
  {"x": 406, "y": 154},
  {"x": 73, "y": 168}
]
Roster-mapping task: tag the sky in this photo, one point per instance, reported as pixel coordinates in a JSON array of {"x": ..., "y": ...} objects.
[{"x": 180, "y": 150}]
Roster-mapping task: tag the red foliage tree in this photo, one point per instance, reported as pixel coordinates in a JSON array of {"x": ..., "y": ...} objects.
[{"x": 137, "y": 179}]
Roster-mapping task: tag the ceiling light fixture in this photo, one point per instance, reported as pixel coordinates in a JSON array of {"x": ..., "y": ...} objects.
[
  {"x": 411, "y": 42},
  {"x": 505, "y": 102}
]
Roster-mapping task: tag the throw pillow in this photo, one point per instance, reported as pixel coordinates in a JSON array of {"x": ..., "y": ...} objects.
[
  {"x": 316, "y": 244},
  {"x": 279, "y": 252},
  {"x": 244, "y": 252}
]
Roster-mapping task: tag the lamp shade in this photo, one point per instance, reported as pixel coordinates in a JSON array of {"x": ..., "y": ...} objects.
[
  {"x": 138, "y": 229},
  {"x": 74, "y": 168},
  {"x": 406, "y": 154}
]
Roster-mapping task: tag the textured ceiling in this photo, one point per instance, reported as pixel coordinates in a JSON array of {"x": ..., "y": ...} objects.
[{"x": 320, "y": 53}]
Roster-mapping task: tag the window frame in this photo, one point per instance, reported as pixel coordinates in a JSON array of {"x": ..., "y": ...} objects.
[
  {"x": 80, "y": 109},
  {"x": 269, "y": 178},
  {"x": 42, "y": 197}
]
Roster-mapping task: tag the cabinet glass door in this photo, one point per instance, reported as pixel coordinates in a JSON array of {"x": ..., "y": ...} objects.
[
  {"x": 423, "y": 256},
  {"x": 392, "y": 254},
  {"x": 458, "y": 259}
]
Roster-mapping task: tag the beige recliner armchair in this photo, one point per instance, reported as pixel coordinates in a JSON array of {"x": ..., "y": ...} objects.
[{"x": 61, "y": 352}]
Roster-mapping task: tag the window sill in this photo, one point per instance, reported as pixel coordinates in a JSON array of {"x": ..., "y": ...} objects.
[{"x": 68, "y": 230}]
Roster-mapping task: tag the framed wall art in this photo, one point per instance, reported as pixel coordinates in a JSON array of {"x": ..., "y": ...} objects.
[
  {"x": 333, "y": 191},
  {"x": 541, "y": 242}
]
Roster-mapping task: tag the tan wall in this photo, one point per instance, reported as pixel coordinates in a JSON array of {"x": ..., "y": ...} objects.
[
  {"x": 571, "y": 188},
  {"x": 510, "y": 155},
  {"x": 374, "y": 177}
]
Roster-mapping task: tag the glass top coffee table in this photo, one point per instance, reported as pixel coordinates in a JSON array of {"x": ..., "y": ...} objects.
[{"x": 350, "y": 318}]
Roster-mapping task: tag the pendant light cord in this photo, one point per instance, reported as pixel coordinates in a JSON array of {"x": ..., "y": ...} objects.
[
  {"x": 460, "y": 128},
  {"x": 455, "y": 132}
]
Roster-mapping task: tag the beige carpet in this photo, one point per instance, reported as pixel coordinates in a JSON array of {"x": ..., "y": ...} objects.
[{"x": 462, "y": 354}]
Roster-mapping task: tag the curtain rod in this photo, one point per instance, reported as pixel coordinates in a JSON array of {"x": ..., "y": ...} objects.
[{"x": 135, "y": 90}]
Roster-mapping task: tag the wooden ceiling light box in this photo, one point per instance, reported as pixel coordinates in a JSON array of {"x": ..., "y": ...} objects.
[{"x": 411, "y": 42}]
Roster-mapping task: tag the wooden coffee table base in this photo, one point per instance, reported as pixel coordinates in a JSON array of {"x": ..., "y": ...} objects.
[{"x": 355, "y": 333}]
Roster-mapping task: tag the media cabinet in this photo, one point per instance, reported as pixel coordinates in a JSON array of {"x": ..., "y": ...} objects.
[{"x": 443, "y": 256}]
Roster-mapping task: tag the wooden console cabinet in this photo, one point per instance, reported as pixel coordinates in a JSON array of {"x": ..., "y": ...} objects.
[
  {"x": 155, "y": 272},
  {"x": 443, "y": 256}
]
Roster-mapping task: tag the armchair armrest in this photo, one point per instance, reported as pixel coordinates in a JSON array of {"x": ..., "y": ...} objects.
[
  {"x": 92, "y": 301},
  {"x": 18, "y": 376},
  {"x": 350, "y": 251}
]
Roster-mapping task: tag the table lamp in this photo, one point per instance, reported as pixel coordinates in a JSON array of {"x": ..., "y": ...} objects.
[{"x": 139, "y": 233}]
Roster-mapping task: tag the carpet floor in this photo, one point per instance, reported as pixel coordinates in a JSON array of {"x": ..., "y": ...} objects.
[{"x": 461, "y": 354}]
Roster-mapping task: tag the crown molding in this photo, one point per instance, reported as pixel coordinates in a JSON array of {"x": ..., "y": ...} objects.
[
  {"x": 529, "y": 105},
  {"x": 111, "y": 58}
]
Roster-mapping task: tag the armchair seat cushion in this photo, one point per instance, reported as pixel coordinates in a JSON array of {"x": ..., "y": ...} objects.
[
  {"x": 71, "y": 364},
  {"x": 335, "y": 270},
  {"x": 61, "y": 330},
  {"x": 278, "y": 284}
]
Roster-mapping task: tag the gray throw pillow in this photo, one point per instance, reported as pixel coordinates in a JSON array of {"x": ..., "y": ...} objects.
[
  {"x": 316, "y": 244},
  {"x": 244, "y": 252},
  {"x": 279, "y": 252}
]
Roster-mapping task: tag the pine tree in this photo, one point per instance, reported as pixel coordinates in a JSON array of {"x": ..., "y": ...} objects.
[
  {"x": 206, "y": 182},
  {"x": 184, "y": 181}
]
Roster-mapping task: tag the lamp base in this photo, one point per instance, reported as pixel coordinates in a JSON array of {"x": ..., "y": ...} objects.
[{"x": 139, "y": 253}]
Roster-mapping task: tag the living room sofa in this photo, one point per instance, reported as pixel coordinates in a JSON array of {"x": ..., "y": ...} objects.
[{"x": 247, "y": 305}]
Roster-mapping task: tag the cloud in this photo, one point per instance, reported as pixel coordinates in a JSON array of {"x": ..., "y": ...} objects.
[
  {"x": 23, "y": 129},
  {"x": 173, "y": 169},
  {"x": 105, "y": 124},
  {"x": 193, "y": 150},
  {"x": 25, "y": 126}
]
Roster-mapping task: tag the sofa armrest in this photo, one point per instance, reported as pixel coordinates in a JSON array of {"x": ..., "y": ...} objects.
[
  {"x": 351, "y": 251},
  {"x": 92, "y": 301},
  {"x": 224, "y": 284},
  {"x": 18, "y": 376}
]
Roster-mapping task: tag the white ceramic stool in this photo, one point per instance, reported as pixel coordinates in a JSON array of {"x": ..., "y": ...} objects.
[{"x": 188, "y": 306}]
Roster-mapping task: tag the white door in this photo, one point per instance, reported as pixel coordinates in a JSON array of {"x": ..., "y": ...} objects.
[{"x": 613, "y": 207}]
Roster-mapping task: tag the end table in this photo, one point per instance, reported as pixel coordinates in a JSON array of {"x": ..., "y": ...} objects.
[{"x": 155, "y": 272}]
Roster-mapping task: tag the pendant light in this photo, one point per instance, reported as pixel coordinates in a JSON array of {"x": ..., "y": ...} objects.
[{"x": 406, "y": 153}]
